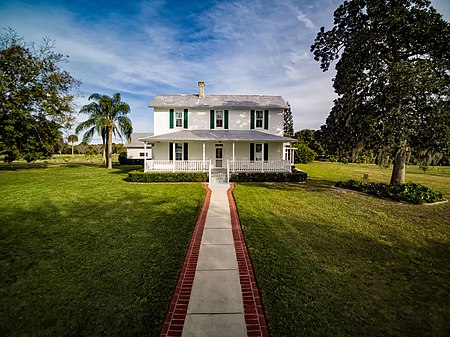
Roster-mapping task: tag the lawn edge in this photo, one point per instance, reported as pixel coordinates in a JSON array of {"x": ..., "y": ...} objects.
[
  {"x": 176, "y": 313},
  {"x": 254, "y": 316}
]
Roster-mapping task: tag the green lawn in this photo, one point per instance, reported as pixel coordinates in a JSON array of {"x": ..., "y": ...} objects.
[
  {"x": 83, "y": 253},
  {"x": 337, "y": 263}
]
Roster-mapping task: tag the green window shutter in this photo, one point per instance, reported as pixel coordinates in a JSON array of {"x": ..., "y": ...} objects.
[
  {"x": 186, "y": 151},
  {"x": 266, "y": 119},
  {"x": 186, "y": 114},
  {"x": 211, "y": 119},
  {"x": 252, "y": 151},
  {"x": 252, "y": 119},
  {"x": 266, "y": 151},
  {"x": 171, "y": 118},
  {"x": 170, "y": 151},
  {"x": 226, "y": 119}
]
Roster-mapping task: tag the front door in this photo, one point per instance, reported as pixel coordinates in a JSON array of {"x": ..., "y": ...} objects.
[{"x": 219, "y": 155}]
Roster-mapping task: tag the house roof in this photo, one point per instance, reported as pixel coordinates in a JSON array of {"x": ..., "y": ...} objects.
[
  {"x": 217, "y": 135},
  {"x": 219, "y": 101},
  {"x": 134, "y": 142}
]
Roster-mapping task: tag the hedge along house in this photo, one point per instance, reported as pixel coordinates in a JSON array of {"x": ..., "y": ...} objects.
[{"x": 237, "y": 133}]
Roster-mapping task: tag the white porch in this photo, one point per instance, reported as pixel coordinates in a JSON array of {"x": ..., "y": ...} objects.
[{"x": 205, "y": 166}]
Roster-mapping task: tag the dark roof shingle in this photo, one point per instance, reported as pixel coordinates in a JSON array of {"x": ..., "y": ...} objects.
[
  {"x": 219, "y": 101},
  {"x": 217, "y": 135}
]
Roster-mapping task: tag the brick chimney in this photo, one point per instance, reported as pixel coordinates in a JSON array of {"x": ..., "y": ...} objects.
[{"x": 201, "y": 89}]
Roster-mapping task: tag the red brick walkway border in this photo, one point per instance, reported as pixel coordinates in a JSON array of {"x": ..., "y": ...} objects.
[
  {"x": 176, "y": 315},
  {"x": 253, "y": 311}
]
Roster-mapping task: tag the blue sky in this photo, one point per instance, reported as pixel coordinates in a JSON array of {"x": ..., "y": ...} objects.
[{"x": 142, "y": 48}]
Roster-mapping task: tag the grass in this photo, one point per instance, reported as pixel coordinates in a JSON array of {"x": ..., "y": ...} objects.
[
  {"x": 336, "y": 263},
  {"x": 84, "y": 253}
]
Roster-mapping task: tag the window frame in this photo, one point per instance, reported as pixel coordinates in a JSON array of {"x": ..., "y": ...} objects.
[
  {"x": 178, "y": 151},
  {"x": 259, "y": 119},
  {"x": 178, "y": 118},
  {"x": 217, "y": 119}
]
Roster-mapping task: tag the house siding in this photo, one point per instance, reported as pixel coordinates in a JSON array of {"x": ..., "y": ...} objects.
[{"x": 198, "y": 119}]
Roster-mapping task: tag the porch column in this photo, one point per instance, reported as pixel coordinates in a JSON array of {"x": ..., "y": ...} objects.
[
  {"x": 262, "y": 158},
  {"x": 291, "y": 153},
  {"x": 145, "y": 156},
  {"x": 233, "y": 157},
  {"x": 174, "y": 156},
  {"x": 203, "y": 155}
]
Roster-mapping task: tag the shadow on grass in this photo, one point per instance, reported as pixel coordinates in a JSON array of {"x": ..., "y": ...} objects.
[
  {"x": 326, "y": 281},
  {"x": 124, "y": 169},
  {"x": 313, "y": 185},
  {"x": 92, "y": 268}
]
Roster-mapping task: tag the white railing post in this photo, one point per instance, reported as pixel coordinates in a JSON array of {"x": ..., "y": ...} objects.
[
  {"x": 209, "y": 172},
  {"x": 228, "y": 171}
]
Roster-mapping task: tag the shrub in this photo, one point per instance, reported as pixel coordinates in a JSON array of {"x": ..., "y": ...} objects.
[
  {"x": 410, "y": 192},
  {"x": 303, "y": 154},
  {"x": 166, "y": 177},
  {"x": 268, "y": 177},
  {"x": 123, "y": 160}
]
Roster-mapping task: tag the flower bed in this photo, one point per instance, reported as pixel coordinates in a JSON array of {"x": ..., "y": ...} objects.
[{"x": 410, "y": 192}]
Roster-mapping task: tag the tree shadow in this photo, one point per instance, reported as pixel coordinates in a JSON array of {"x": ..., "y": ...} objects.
[
  {"x": 313, "y": 185},
  {"x": 105, "y": 268},
  {"x": 348, "y": 282}
]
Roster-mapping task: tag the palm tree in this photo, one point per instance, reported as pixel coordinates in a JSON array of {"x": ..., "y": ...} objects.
[
  {"x": 72, "y": 139},
  {"x": 107, "y": 117}
]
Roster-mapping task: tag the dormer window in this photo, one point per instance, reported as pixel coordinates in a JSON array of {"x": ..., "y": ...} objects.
[
  {"x": 259, "y": 118},
  {"x": 219, "y": 119}
]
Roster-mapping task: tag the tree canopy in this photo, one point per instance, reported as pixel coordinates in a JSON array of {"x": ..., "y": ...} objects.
[
  {"x": 288, "y": 125},
  {"x": 392, "y": 78},
  {"x": 35, "y": 98},
  {"x": 107, "y": 117}
]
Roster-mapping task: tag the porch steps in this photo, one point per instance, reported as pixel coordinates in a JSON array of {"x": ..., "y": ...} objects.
[{"x": 219, "y": 179}]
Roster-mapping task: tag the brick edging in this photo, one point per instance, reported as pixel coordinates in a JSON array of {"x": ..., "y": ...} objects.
[
  {"x": 176, "y": 314},
  {"x": 253, "y": 311}
]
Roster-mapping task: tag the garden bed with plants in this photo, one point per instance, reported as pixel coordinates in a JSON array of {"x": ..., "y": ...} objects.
[
  {"x": 297, "y": 176},
  {"x": 166, "y": 177},
  {"x": 409, "y": 192}
]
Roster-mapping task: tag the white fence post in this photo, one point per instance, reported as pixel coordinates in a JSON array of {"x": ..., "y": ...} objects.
[{"x": 209, "y": 172}]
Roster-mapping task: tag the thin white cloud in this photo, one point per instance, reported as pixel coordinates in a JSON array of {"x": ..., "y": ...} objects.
[
  {"x": 302, "y": 17},
  {"x": 242, "y": 47}
]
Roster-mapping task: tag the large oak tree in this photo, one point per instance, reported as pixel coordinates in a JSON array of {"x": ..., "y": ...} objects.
[
  {"x": 35, "y": 98},
  {"x": 392, "y": 78}
]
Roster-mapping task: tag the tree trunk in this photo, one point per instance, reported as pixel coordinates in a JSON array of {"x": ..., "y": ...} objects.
[
  {"x": 72, "y": 149},
  {"x": 399, "y": 170},
  {"x": 109, "y": 150}
]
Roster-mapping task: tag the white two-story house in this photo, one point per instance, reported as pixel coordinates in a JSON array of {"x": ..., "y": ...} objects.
[{"x": 241, "y": 133}]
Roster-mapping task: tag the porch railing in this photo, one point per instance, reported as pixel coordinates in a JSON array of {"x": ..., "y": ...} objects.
[
  {"x": 259, "y": 166},
  {"x": 177, "y": 165}
]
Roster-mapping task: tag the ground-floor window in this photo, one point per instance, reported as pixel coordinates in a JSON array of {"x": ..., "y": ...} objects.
[
  {"x": 179, "y": 151},
  {"x": 258, "y": 152},
  {"x": 142, "y": 154}
]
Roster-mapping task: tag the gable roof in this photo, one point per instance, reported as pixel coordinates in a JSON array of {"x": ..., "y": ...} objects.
[
  {"x": 219, "y": 101},
  {"x": 217, "y": 135}
]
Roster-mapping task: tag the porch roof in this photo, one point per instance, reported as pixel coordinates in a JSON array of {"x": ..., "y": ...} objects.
[{"x": 218, "y": 136}]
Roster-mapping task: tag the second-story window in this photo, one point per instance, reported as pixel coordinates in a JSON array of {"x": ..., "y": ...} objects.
[
  {"x": 178, "y": 118},
  {"x": 219, "y": 119},
  {"x": 259, "y": 118}
]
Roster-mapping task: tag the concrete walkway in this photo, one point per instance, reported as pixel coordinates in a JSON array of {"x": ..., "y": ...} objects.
[
  {"x": 216, "y": 293},
  {"x": 216, "y": 305}
]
